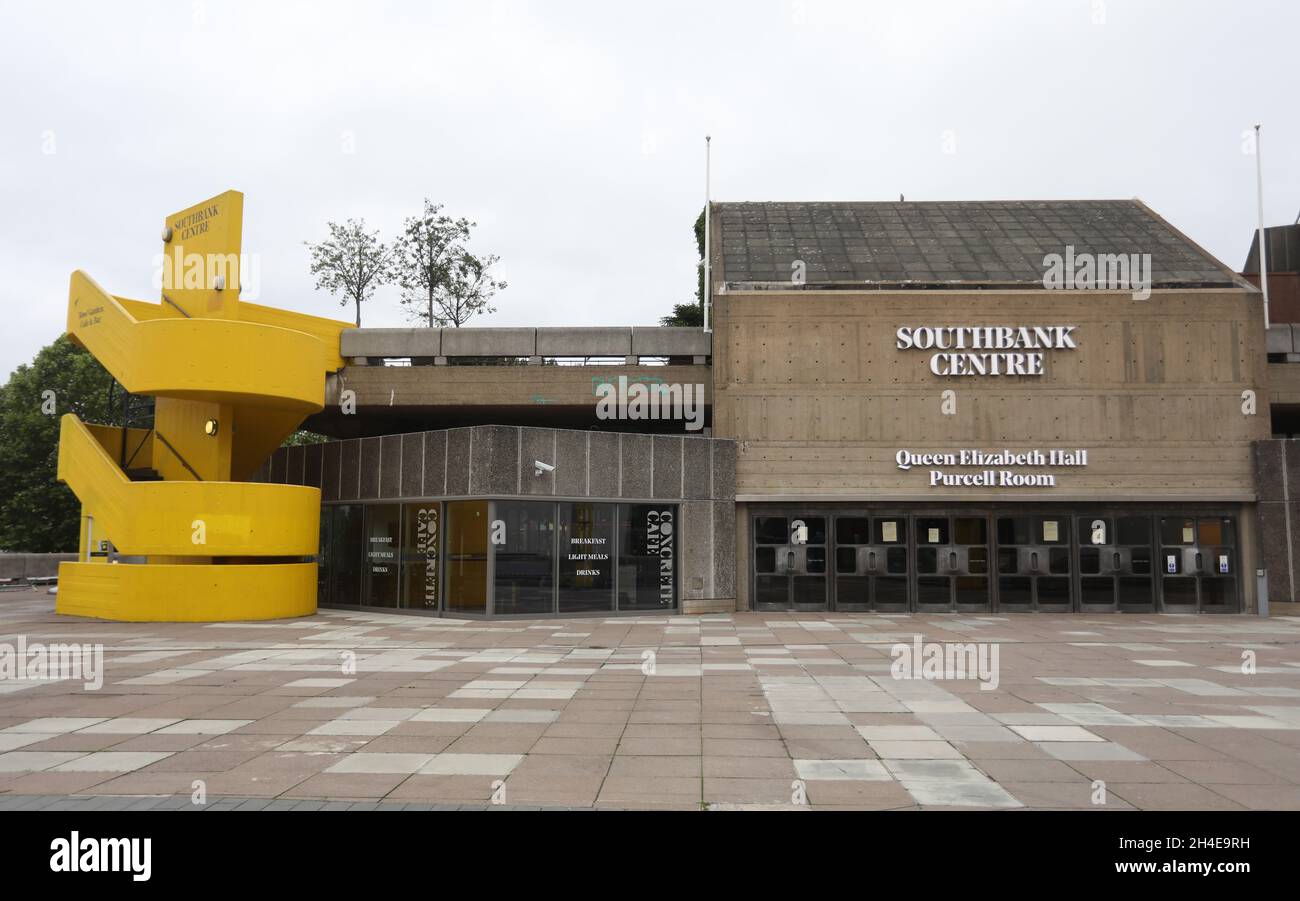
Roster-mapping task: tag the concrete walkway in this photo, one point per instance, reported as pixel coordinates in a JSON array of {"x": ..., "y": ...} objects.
[{"x": 721, "y": 712}]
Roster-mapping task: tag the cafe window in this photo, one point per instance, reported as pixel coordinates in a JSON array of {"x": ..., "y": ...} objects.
[
  {"x": 465, "y": 550},
  {"x": 383, "y": 535},
  {"x": 421, "y": 536},
  {"x": 347, "y": 547},
  {"x": 586, "y": 558},
  {"x": 647, "y": 564},
  {"x": 523, "y": 547}
]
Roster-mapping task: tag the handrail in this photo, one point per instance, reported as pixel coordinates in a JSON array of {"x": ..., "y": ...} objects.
[
  {"x": 184, "y": 462},
  {"x": 143, "y": 439},
  {"x": 177, "y": 306}
]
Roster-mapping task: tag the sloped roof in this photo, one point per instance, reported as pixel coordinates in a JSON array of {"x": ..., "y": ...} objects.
[{"x": 945, "y": 243}]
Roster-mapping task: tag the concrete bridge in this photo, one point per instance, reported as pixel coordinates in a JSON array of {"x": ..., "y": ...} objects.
[{"x": 421, "y": 378}]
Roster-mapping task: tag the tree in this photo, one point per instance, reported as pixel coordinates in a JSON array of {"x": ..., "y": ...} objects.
[
  {"x": 303, "y": 436},
  {"x": 39, "y": 514},
  {"x": 685, "y": 314},
  {"x": 443, "y": 283},
  {"x": 692, "y": 314},
  {"x": 351, "y": 264}
]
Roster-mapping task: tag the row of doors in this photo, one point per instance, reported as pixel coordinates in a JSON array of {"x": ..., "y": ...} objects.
[{"x": 982, "y": 562}]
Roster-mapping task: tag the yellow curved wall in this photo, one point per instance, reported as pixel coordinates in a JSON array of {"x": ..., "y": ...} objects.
[{"x": 230, "y": 382}]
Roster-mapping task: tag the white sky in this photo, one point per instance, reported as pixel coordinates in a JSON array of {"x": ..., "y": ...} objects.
[{"x": 573, "y": 132}]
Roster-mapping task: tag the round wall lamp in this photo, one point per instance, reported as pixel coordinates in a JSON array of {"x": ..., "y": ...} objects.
[{"x": 210, "y": 428}]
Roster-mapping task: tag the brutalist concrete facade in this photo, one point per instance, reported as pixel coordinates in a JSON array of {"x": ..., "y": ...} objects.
[
  {"x": 499, "y": 462},
  {"x": 1277, "y": 512}
]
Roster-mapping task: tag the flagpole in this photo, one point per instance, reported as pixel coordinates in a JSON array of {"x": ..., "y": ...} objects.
[
  {"x": 1263, "y": 252},
  {"x": 708, "y": 262}
]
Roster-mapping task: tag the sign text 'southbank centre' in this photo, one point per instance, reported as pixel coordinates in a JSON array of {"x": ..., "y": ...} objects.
[{"x": 894, "y": 411}]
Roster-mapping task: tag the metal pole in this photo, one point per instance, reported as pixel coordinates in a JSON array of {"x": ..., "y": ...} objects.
[
  {"x": 1263, "y": 251},
  {"x": 708, "y": 263}
]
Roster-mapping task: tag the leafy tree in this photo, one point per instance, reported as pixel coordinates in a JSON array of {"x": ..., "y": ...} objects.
[
  {"x": 39, "y": 514},
  {"x": 685, "y": 314},
  {"x": 302, "y": 436},
  {"x": 351, "y": 264},
  {"x": 692, "y": 314},
  {"x": 443, "y": 283}
]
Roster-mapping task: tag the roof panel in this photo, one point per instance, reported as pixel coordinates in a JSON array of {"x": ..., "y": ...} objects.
[{"x": 1004, "y": 241}]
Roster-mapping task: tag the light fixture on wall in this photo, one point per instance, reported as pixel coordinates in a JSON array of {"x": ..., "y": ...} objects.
[{"x": 210, "y": 428}]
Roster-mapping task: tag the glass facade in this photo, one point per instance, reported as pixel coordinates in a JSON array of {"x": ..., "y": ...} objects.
[
  {"x": 523, "y": 581},
  {"x": 503, "y": 557},
  {"x": 466, "y": 557},
  {"x": 1002, "y": 560},
  {"x": 383, "y": 541},
  {"x": 586, "y": 539}
]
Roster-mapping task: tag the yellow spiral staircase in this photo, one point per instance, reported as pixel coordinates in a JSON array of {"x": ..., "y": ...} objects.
[{"x": 177, "y": 534}]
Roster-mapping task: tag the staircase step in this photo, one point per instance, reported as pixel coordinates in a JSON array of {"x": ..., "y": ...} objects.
[{"x": 144, "y": 475}]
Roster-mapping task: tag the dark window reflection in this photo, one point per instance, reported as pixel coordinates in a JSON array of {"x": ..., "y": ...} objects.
[
  {"x": 586, "y": 557},
  {"x": 348, "y": 561},
  {"x": 525, "y": 561},
  {"x": 383, "y": 536},
  {"x": 647, "y": 552}
]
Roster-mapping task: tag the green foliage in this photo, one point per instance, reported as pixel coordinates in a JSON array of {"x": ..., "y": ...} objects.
[
  {"x": 351, "y": 264},
  {"x": 692, "y": 314},
  {"x": 687, "y": 314},
  {"x": 38, "y": 514},
  {"x": 443, "y": 283},
  {"x": 302, "y": 436}
]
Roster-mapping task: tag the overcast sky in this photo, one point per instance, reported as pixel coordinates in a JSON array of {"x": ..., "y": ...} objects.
[{"x": 573, "y": 132}]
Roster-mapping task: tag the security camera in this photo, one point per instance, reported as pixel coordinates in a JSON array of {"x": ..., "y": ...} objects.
[{"x": 542, "y": 467}]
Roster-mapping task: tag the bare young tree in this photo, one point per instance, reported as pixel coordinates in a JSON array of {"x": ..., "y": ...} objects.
[
  {"x": 443, "y": 283},
  {"x": 351, "y": 264}
]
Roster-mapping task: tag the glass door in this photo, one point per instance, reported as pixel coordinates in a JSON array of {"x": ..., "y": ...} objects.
[
  {"x": 806, "y": 561},
  {"x": 790, "y": 563},
  {"x": 1116, "y": 564},
  {"x": 1198, "y": 568},
  {"x": 1216, "y": 540},
  {"x": 933, "y": 572},
  {"x": 871, "y": 563},
  {"x": 970, "y": 556},
  {"x": 466, "y": 551},
  {"x": 952, "y": 563},
  {"x": 1033, "y": 563}
]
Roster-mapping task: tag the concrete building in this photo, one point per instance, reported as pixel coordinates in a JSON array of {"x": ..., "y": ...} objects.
[{"x": 902, "y": 406}]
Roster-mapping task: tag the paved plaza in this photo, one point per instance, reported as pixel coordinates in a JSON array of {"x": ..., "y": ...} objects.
[{"x": 746, "y": 710}]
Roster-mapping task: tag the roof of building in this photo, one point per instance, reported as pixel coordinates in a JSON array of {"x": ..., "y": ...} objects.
[
  {"x": 1283, "y": 250},
  {"x": 985, "y": 244}
]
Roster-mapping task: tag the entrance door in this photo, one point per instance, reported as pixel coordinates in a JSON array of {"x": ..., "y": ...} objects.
[
  {"x": 952, "y": 563},
  {"x": 1034, "y": 563},
  {"x": 871, "y": 563},
  {"x": 1116, "y": 564},
  {"x": 1197, "y": 560},
  {"x": 790, "y": 571}
]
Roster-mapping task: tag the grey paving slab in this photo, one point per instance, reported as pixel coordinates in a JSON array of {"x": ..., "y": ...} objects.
[{"x": 560, "y": 715}]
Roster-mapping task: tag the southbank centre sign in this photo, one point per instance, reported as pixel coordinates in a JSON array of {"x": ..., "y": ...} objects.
[
  {"x": 990, "y": 477},
  {"x": 986, "y": 349}
]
